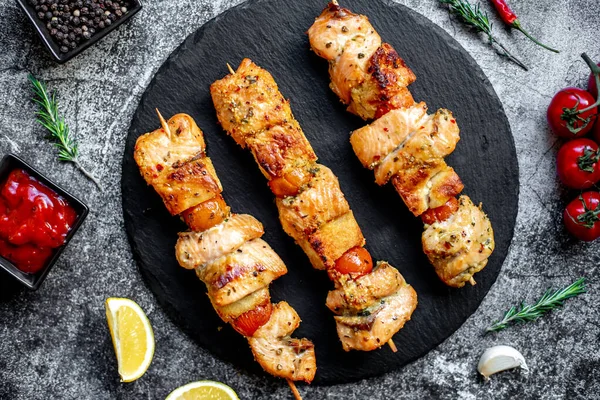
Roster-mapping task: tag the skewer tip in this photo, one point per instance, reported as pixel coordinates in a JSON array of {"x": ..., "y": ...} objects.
[
  {"x": 472, "y": 281},
  {"x": 392, "y": 345},
  {"x": 230, "y": 69},
  {"x": 295, "y": 391},
  {"x": 164, "y": 124}
]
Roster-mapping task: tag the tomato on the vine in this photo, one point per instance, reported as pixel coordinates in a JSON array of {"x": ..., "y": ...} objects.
[
  {"x": 577, "y": 164},
  {"x": 563, "y": 115},
  {"x": 581, "y": 216}
]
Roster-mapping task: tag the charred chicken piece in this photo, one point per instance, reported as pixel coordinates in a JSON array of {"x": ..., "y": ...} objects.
[
  {"x": 459, "y": 244},
  {"x": 368, "y": 75}
]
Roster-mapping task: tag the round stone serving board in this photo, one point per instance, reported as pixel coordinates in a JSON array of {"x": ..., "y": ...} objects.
[{"x": 272, "y": 33}]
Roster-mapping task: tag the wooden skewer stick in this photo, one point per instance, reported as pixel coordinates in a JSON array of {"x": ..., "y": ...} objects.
[
  {"x": 472, "y": 281},
  {"x": 335, "y": 3},
  {"x": 163, "y": 123},
  {"x": 392, "y": 345},
  {"x": 230, "y": 69},
  {"x": 294, "y": 389}
]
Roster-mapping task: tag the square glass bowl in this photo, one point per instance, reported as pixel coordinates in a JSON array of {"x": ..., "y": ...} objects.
[
  {"x": 11, "y": 162},
  {"x": 54, "y": 49}
]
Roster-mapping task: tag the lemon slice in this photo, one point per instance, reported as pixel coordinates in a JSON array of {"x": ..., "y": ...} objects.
[
  {"x": 203, "y": 390},
  {"x": 132, "y": 337}
]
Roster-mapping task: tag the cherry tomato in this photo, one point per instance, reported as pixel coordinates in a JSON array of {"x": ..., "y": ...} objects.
[
  {"x": 581, "y": 216},
  {"x": 357, "y": 261},
  {"x": 561, "y": 113},
  {"x": 251, "y": 320},
  {"x": 592, "y": 85},
  {"x": 440, "y": 213},
  {"x": 577, "y": 164}
]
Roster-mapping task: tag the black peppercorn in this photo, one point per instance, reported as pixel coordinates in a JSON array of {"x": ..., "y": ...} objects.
[
  {"x": 64, "y": 49},
  {"x": 41, "y": 15},
  {"x": 76, "y": 21},
  {"x": 44, "y": 8},
  {"x": 101, "y": 25},
  {"x": 86, "y": 35}
]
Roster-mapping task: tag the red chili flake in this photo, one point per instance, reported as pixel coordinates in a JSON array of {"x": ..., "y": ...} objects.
[
  {"x": 385, "y": 129},
  {"x": 453, "y": 121},
  {"x": 159, "y": 167}
]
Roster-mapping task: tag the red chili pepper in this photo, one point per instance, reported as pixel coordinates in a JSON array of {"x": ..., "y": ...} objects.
[{"x": 510, "y": 18}]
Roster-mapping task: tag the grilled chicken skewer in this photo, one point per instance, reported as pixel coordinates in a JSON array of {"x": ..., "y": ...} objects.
[
  {"x": 224, "y": 249},
  {"x": 371, "y": 303},
  {"x": 404, "y": 145}
]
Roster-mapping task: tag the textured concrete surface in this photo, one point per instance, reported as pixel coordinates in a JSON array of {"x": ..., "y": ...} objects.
[{"x": 54, "y": 343}]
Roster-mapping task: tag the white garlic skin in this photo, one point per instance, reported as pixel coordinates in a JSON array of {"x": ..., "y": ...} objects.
[{"x": 500, "y": 358}]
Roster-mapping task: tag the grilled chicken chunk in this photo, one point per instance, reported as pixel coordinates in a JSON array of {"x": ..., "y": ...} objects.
[
  {"x": 459, "y": 246},
  {"x": 175, "y": 165},
  {"x": 237, "y": 274},
  {"x": 316, "y": 205},
  {"x": 365, "y": 73},
  {"x": 195, "y": 249},
  {"x": 355, "y": 295},
  {"x": 225, "y": 250},
  {"x": 373, "y": 327},
  {"x": 249, "y": 102},
  {"x": 277, "y": 352},
  {"x": 312, "y": 207}
]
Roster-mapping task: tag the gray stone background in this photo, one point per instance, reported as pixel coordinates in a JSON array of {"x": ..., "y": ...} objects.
[{"x": 54, "y": 343}]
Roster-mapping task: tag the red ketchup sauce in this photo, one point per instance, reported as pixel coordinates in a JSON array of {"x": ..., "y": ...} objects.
[{"x": 34, "y": 220}]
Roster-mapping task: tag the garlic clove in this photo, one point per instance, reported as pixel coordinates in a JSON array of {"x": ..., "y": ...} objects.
[{"x": 500, "y": 358}]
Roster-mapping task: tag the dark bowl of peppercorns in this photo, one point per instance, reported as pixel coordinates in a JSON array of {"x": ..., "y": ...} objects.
[{"x": 68, "y": 27}]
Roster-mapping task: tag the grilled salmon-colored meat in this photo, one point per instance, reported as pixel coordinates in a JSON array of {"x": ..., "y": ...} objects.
[
  {"x": 277, "y": 352},
  {"x": 224, "y": 249},
  {"x": 372, "y": 327},
  {"x": 312, "y": 207},
  {"x": 404, "y": 145},
  {"x": 459, "y": 246},
  {"x": 368, "y": 75}
]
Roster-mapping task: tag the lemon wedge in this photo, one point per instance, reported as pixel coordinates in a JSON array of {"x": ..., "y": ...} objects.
[
  {"x": 203, "y": 390},
  {"x": 132, "y": 337}
]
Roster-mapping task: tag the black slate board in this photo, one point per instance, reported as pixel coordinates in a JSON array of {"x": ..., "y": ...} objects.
[{"x": 272, "y": 34}]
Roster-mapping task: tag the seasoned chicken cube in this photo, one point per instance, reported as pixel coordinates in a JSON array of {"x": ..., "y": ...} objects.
[
  {"x": 278, "y": 353},
  {"x": 332, "y": 240},
  {"x": 355, "y": 295},
  {"x": 231, "y": 311},
  {"x": 334, "y": 28},
  {"x": 427, "y": 143},
  {"x": 426, "y": 186},
  {"x": 374, "y": 327},
  {"x": 195, "y": 249},
  {"x": 372, "y": 143},
  {"x": 234, "y": 276},
  {"x": 175, "y": 165},
  {"x": 384, "y": 88},
  {"x": 316, "y": 205},
  {"x": 249, "y": 102},
  {"x": 459, "y": 246},
  {"x": 284, "y": 156}
]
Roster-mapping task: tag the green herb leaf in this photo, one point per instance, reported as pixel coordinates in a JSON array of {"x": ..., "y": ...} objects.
[
  {"x": 474, "y": 18},
  {"x": 58, "y": 131},
  {"x": 548, "y": 302}
]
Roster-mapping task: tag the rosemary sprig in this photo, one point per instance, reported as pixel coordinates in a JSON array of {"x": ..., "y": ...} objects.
[
  {"x": 548, "y": 302},
  {"x": 58, "y": 131},
  {"x": 474, "y": 18}
]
